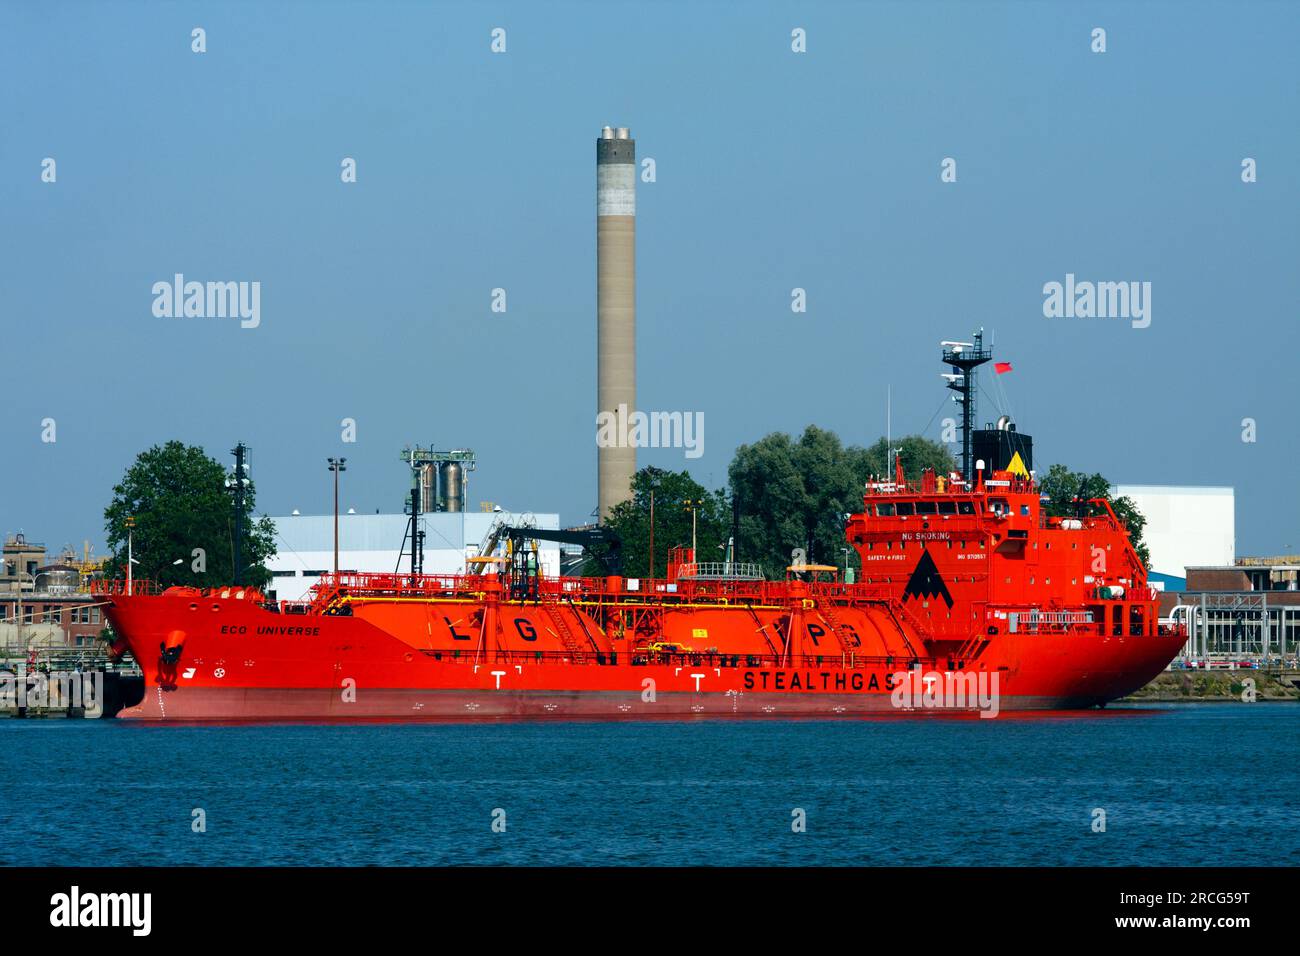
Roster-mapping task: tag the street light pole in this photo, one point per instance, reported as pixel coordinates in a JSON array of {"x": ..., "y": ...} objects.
[
  {"x": 336, "y": 465},
  {"x": 693, "y": 505},
  {"x": 651, "y": 572}
]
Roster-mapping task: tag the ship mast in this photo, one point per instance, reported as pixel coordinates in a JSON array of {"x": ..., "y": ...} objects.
[{"x": 964, "y": 358}]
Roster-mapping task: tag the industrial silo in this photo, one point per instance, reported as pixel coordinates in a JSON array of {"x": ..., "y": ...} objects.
[{"x": 451, "y": 487}]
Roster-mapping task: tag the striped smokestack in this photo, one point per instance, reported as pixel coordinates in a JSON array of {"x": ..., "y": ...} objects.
[{"x": 615, "y": 305}]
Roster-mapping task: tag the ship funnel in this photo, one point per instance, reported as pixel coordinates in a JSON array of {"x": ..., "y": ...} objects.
[{"x": 1004, "y": 447}]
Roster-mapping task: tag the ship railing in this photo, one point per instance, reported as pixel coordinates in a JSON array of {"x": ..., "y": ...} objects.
[
  {"x": 1014, "y": 484},
  {"x": 750, "y": 591},
  {"x": 1131, "y": 594},
  {"x": 720, "y": 590},
  {"x": 119, "y": 586},
  {"x": 1101, "y": 522},
  {"x": 752, "y": 661},
  {"x": 857, "y": 591},
  {"x": 720, "y": 571},
  {"x": 1101, "y": 516},
  {"x": 641, "y": 657},
  {"x": 713, "y": 590},
  {"x": 1031, "y": 620},
  {"x": 114, "y": 586},
  {"x": 363, "y": 583}
]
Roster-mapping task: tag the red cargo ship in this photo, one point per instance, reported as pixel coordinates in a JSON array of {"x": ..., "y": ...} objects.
[{"x": 972, "y": 599}]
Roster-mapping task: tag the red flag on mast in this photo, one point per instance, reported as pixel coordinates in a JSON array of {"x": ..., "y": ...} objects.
[{"x": 1001, "y": 367}]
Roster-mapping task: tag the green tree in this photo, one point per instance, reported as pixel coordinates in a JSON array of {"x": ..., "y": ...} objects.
[
  {"x": 631, "y": 520},
  {"x": 795, "y": 494},
  {"x": 916, "y": 453},
  {"x": 1067, "y": 493},
  {"x": 178, "y": 498}
]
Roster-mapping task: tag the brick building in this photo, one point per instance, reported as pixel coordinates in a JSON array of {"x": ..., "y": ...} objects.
[
  {"x": 57, "y": 611},
  {"x": 1246, "y": 610}
]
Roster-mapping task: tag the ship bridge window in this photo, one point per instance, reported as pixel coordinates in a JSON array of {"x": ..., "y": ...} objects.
[
  {"x": 885, "y": 509},
  {"x": 965, "y": 508},
  {"x": 925, "y": 508},
  {"x": 947, "y": 507},
  {"x": 906, "y": 508},
  {"x": 998, "y": 506},
  {"x": 1024, "y": 510}
]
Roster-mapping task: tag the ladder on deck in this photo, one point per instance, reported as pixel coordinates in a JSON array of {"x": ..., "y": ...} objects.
[
  {"x": 826, "y": 609},
  {"x": 555, "y": 611},
  {"x": 970, "y": 648},
  {"x": 762, "y": 629},
  {"x": 325, "y": 599},
  {"x": 897, "y": 610}
]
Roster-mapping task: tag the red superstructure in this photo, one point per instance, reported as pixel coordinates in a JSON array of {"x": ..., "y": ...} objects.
[{"x": 970, "y": 598}]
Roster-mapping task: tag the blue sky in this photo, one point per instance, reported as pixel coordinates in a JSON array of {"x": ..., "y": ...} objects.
[{"x": 775, "y": 170}]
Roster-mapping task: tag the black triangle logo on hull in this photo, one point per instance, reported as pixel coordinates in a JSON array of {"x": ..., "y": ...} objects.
[{"x": 926, "y": 581}]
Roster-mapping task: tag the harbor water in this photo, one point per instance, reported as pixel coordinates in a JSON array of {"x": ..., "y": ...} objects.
[{"x": 1184, "y": 784}]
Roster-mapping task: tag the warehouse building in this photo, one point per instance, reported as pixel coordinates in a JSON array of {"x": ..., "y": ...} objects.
[
  {"x": 380, "y": 543},
  {"x": 1187, "y": 526}
]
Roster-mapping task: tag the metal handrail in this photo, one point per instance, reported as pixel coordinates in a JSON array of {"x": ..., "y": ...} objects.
[
  {"x": 722, "y": 570},
  {"x": 115, "y": 586},
  {"x": 359, "y": 586},
  {"x": 642, "y": 657}
]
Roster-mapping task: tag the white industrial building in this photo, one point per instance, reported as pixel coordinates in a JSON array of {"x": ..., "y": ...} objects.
[
  {"x": 1187, "y": 526},
  {"x": 374, "y": 543}
]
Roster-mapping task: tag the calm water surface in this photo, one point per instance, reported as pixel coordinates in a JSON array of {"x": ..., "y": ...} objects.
[{"x": 1181, "y": 784}]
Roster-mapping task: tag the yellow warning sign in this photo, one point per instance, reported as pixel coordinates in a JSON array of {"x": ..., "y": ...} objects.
[
  {"x": 699, "y": 632},
  {"x": 1017, "y": 466}
]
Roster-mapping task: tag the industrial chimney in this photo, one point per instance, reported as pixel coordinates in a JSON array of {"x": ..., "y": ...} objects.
[{"x": 615, "y": 305}]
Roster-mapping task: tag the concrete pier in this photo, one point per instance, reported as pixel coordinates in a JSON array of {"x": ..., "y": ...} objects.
[{"x": 82, "y": 693}]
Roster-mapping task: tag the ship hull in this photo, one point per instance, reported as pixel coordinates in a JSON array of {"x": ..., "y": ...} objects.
[
  {"x": 217, "y": 657},
  {"x": 405, "y": 704}
]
